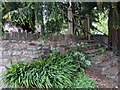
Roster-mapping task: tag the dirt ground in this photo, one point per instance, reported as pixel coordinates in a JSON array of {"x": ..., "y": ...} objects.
[{"x": 102, "y": 81}]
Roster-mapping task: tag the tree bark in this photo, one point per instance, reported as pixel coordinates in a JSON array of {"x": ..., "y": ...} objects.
[
  {"x": 118, "y": 43},
  {"x": 73, "y": 18},
  {"x": 110, "y": 27},
  {"x": 70, "y": 20},
  {"x": 33, "y": 19},
  {"x": 114, "y": 33},
  {"x": 118, "y": 31},
  {"x": 42, "y": 19}
]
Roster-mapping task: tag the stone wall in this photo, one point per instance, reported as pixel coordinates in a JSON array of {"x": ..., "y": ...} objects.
[
  {"x": 13, "y": 50},
  {"x": 26, "y": 50},
  {"x": 23, "y": 50},
  {"x": 24, "y": 35}
]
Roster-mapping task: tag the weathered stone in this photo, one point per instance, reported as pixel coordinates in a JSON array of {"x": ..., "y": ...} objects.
[
  {"x": 45, "y": 48},
  {"x": 35, "y": 57},
  {"x": 22, "y": 50},
  {"x": 106, "y": 64},
  {"x": 27, "y": 52},
  {"x": 16, "y": 53},
  {"x": 39, "y": 48},
  {"x": 0, "y": 55},
  {"x": 31, "y": 49},
  {"x": 33, "y": 44},
  {"x": 4, "y": 62},
  {"x": 6, "y": 53},
  {"x": 8, "y": 65},
  {"x": 40, "y": 43},
  {"x": 46, "y": 52},
  {"x": 61, "y": 49},
  {"x": 112, "y": 72},
  {"x": 2, "y": 70},
  {"x": 99, "y": 58}
]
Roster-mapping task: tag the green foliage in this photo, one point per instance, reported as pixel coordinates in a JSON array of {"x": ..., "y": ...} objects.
[
  {"x": 83, "y": 81},
  {"x": 55, "y": 71},
  {"x": 102, "y": 25},
  {"x": 23, "y": 12},
  {"x": 53, "y": 16},
  {"x": 21, "y": 15},
  {"x": 79, "y": 59},
  {"x": 1, "y": 34},
  {"x": 35, "y": 13},
  {"x": 44, "y": 37},
  {"x": 53, "y": 26},
  {"x": 99, "y": 51},
  {"x": 82, "y": 45}
]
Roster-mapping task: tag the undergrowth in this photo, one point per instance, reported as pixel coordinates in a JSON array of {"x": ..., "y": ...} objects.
[{"x": 55, "y": 71}]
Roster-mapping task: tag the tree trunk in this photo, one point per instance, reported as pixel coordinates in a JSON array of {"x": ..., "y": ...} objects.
[
  {"x": 118, "y": 31},
  {"x": 42, "y": 19},
  {"x": 86, "y": 25},
  {"x": 114, "y": 33},
  {"x": 70, "y": 20},
  {"x": 73, "y": 19},
  {"x": 114, "y": 38},
  {"x": 118, "y": 43},
  {"x": 110, "y": 27},
  {"x": 33, "y": 19}
]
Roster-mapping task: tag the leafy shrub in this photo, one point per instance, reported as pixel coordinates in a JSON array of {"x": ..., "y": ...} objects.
[
  {"x": 82, "y": 81},
  {"x": 79, "y": 58},
  {"x": 55, "y": 71},
  {"x": 83, "y": 45}
]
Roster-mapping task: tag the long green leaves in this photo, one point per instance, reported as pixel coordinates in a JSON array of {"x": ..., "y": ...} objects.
[{"x": 55, "y": 71}]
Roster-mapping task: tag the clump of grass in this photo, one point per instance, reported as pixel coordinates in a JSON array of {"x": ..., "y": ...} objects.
[{"x": 55, "y": 71}]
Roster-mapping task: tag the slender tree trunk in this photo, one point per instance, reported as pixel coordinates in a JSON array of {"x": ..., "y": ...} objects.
[
  {"x": 73, "y": 19},
  {"x": 88, "y": 26},
  {"x": 110, "y": 27},
  {"x": 33, "y": 18},
  {"x": 42, "y": 24},
  {"x": 70, "y": 20}
]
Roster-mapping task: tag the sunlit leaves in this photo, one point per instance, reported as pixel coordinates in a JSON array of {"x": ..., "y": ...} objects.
[{"x": 23, "y": 13}]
